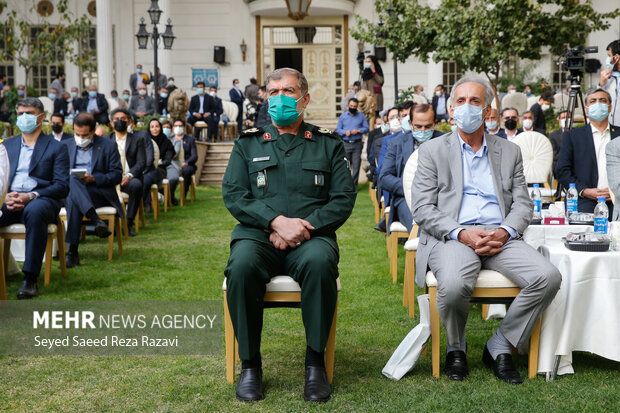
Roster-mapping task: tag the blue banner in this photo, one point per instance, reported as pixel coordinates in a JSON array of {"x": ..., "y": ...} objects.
[{"x": 209, "y": 76}]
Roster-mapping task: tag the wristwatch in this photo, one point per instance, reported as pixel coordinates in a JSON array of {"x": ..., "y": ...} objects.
[{"x": 31, "y": 195}]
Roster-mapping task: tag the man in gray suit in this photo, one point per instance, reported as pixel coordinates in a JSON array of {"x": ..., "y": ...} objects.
[
  {"x": 471, "y": 201},
  {"x": 612, "y": 151}
]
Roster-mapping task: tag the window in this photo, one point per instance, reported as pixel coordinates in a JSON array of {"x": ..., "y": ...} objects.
[
  {"x": 451, "y": 73},
  {"x": 558, "y": 76},
  {"x": 40, "y": 76},
  {"x": 87, "y": 44},
  {"x": 7, "y": 67}
]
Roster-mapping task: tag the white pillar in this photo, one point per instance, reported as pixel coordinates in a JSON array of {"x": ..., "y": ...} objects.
[
  {"x": 104, "y": 47},
  {"x": 164, "y": 58},
  {"x": 434, "y": 75}
]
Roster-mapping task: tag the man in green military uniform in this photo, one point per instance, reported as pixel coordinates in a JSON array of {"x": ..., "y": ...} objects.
[{"x": 290, "y": 187}]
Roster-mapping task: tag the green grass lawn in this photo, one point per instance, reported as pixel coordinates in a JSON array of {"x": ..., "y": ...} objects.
[{"x": 182, "y": 256}]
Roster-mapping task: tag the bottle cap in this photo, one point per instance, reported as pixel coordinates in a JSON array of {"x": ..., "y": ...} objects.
[
  {"x": 571, "y": 185},
  {"x": 602, "y": 199},
  {"x": 536, "y": 185}
]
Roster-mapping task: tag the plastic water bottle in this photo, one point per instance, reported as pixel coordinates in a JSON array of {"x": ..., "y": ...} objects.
[
  {"x": 571, "y": 200},
  {"x": 601, "y": 216},
  {"x": 537, "y": 198}
]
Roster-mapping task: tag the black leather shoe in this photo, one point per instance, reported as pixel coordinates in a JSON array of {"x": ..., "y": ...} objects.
[
  {"x": 250, "y": 385},
  {"x": 381, "y": 226},
  {"x": 317, "y": 388},
  {"x": 502, "y": 367},
  {"x": 72, "y": 259},
  {"x": 130, "y": 230},
  {"x": 174, "y": 201},
  {"x": 456, "y": 365},
  {"x": 28, "y": 289},
  {"x": 102, "y": 230}
]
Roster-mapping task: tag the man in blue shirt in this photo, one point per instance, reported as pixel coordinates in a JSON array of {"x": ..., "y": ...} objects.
[{"x": 351, "y": 127}]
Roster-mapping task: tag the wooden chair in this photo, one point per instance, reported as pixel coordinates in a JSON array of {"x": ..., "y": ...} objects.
[
  {"x": 192, "y": 190},
  {"x": 282, "y": 291},
  {"x": 165, "y": 185},
  {"x": 411, "y": 246},
  {"x": 373, "y": 197},
  {"x": 491, "y": 288},
  {"x": 108, "y": 214},
  {"x": 397, "y": 231},
  {"x": 139, "y": 221},
  {"x": 202, "y": 130},
  {"x": 18, "y": 231}
]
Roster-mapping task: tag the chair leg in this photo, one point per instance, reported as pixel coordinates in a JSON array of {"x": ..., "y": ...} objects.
[
  {"x": 229, "y": 338},
  {"x": 48, "y": 259},
  {"x": 60, "y": 237},
  {"x": 155, "y": 203},
  {"x": 330, "y": 348},
  {"x": 182, "y": 192},
  {"x": 485, "y": 311},
  {"x": 119, "y": 234},
  {"x": 393, "y": 253},
  {"x": 405, "y": 284},
  {"x": 192, "y": 190},
  {"x": 141, "y": 216},
  {"x": 434, "y": 330},
  {"x": 533, "y": 356},
  {"x": 2, "y": 280},
  {"x": 410, "y": 276},
  {"x": 6, "y": 251},
  {"x": 110, "y": 220},
  {"x": 166, "y": 197}
]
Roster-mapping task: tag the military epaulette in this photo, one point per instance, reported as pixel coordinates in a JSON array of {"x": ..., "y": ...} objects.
[
  {"x": 326, "y": 132},
  {"x": 251, "y": 132}
]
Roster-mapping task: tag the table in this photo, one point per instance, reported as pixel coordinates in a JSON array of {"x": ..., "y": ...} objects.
[
  {"x": 585, "y": 313},
  {"x": 537, "y": 235}
]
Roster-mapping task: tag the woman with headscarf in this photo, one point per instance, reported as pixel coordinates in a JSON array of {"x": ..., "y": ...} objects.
[
  {"x": 372, "y": 80},
  {"x": 164, "y": 152}
]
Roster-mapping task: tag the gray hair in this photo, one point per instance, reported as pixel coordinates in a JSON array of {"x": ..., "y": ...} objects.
[
  {"x": 488, "y": 90},
  {"x": 596, "y": 90},
  {"x": 34, "y": 102},
  {"x": 277, "y": 74}
]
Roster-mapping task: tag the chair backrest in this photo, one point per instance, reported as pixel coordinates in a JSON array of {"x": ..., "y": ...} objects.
[
  {"x": 419, "y": 99},
  {"x": 530, "y": 101},
  {"x": 112, "y": 104},
  {"x": 537, "y": 155},
  {"x": 231, "y": 110},
  {"x": 515, "y": 100},
  {"x": 48, "y": 105},
  {"x": 408, "y": 174}
]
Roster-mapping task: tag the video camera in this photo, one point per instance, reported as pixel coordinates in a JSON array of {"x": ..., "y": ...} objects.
[
  {"x": 574, "y": 62},
  {"x": 361, "y": 56}
]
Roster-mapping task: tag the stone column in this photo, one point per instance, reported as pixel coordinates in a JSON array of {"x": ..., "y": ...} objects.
[
  {"x": 434, "y": 70},
  {"x": 164, "y": 58},
  {"x": 105, "y": 47}
]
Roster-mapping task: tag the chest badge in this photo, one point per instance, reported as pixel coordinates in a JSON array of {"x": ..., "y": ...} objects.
[
  {"x": 267, "y": 136},
  {"x": 308, "y": 135},
  {"x": 261, "y": 180},
  {"x": 319, "y": 180}
]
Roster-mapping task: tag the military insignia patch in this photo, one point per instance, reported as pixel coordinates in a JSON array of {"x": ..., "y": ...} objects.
[
  {"x": 308, "y": 135},
  {"x": 267, "y": 136},
  {"x": 253, "y": 130}
]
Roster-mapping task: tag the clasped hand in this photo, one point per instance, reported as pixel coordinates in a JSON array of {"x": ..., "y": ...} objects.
[
  {"x": 288, "y": 232},
  {"x": 485, "y": 243},
  {"x": 16, "y": 201}
]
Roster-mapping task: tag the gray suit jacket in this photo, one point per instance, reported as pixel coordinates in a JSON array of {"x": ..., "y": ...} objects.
[
  {"x": 612, "y": 150},
  {"x": 437, "y": 190}
]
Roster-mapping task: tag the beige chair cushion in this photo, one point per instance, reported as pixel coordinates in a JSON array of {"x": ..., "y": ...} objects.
[
  {"x": 106, "y": 210},
  {"x": 284, "y": 283},
  {"x": 200, "y": 124},
  {"x": 408, "y": 174},
  {"x": 397, "y": 226},
  {"x": 412, "y": 244},
  {"x": 21, "y": 229},
  {"x": 181, "y": 179},
  {"x": 165, "y": 181},
  {"x": 537, "y": 155},
  {"x": 486, "y": 279}
]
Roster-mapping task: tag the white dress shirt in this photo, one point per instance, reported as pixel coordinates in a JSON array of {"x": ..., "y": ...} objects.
[{"x": 600, "y": 141}]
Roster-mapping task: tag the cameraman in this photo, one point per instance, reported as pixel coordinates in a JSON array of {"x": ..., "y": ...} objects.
[{"x": 610, "y": 81}]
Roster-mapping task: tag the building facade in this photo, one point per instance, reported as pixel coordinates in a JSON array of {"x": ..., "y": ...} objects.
[{"x": 258, "y": 36}]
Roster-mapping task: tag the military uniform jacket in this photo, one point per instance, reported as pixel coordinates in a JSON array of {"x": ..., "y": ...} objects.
[{"x": 306, "y": 176}]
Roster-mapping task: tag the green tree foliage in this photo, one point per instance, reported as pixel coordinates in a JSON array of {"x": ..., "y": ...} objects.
[
  {"x": 52, "y": 42},
  {"x": 481, "y": 35}
]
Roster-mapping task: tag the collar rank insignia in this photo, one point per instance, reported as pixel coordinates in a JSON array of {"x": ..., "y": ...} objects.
[
  {"x": 267, "y": 136},
  {"x": 325, "y": 130},
  {"x": 253, "y": 130},
  {"x": 308, "y": 135}
]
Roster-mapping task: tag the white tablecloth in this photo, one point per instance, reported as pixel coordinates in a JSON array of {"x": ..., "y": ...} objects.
[
  {"x": 537, "y": 235},
  {"x": 585, "y": 314}
]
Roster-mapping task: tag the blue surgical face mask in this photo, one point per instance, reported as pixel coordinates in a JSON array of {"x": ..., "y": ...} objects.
[
  {"x": 608, "y": 64},
  {"x": 200, "y": 91},
  {"x": 21, "y": 92},
  {"x": 405, "y": 123},
  {"x": 452, "y": 128},
  {"x": 422, "y": 135},
  {"x": 138, "y": 70},
  {"x": 491, "y": 125},
  {"x": 385, "y": 127},
  {"x": 52, "y": 96},
  {"x": 598, "y": 111},
  {"x": 283, "y": 109},
  {"x": 27, "y": 123},
  {"x": 163, "y": 95},
  {"x": 74, "y": 94},
  {"x": 92, "y": 93},
  {"x": 167, "y": 131},
  {"x": 468, "y": 117},
  {"x": 367, "y": 65}
]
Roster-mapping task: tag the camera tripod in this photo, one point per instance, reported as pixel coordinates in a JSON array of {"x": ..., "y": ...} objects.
[{"x": 575, "y": 93}]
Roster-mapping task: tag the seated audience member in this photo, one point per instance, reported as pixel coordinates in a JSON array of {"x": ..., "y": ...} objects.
[
  {"x": 264, "y": 118},
  {"x": 100, "y": 130},
  {"x": 404, "y": 108},
  {"x": 174, "y": 169},
  {"x": 381, "y": 128},
  {"x": 133, "y": 161},
  {"x": 213, "y": 119},
  {"x": 538, "y": 109},
  {"x": 468, "y": 225},
  {"x": 510, "y": 117},
  {"x": 170, "y": 85},
  {"x": 95, "y": 104},
  {"x": 163, "y": 100},
  {"x": 612, "y": 152},
  {"x": 190, "y": 154},
  {"x": 491, "y": 123},
  {"x": 352, "y": 125},
  {"x": 527, "y": 90},
  {"x": 166, "y": 128},
  {"x": 200, "y": 107},
  {"x": 74, "y": 103},
  {"x": 528, "y": 121},
  {"x": 398, "y": 152},
  {"x": 403, "y": 115},
  {"x": 556, "y": 139},
  {"x": 582, "y": 155},
  {"x": 39, "y": 182},
  {"x": 100, "y": 158},
  {"x": 60, "y": 105},
  {"x": 158, "y": 163},
  {"x": 141, "y": 104},
  {"x": 58, "y": 123}
]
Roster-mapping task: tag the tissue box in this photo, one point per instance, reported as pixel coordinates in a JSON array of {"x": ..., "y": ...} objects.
[{"x": 554, "y": 221}]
